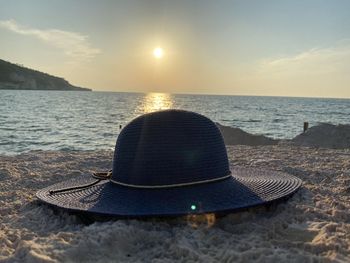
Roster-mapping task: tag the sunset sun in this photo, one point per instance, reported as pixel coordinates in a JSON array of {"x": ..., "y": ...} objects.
[{"x": 158, "y": 52}]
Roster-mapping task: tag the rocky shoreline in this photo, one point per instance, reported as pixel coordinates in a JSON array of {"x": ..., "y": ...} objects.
[{"x": 324, "y": 135}]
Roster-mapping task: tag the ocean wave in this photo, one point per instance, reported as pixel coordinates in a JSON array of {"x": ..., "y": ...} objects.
[
  {"x": 251, "y": 121},
  {"x": 277, "y": 120}
]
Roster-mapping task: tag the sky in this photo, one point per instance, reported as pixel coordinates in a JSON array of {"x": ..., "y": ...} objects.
[{"x": 245, "y": 47}]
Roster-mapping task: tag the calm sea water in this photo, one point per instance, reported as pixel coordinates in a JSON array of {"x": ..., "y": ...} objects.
[{"x": 68, "y": 120}]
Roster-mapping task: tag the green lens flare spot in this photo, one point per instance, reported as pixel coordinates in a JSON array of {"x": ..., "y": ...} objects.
[{"x": 193, "y": 207}]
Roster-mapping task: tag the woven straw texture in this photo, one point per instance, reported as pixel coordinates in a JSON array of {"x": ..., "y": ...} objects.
[
  {"x": 248, "y": 187},
  {"x": 171, "y": 148}
]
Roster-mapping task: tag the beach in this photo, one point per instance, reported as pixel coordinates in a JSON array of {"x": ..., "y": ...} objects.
[
  {"x": 124, "y": 108},
  {"x": 312, "y": 226}
]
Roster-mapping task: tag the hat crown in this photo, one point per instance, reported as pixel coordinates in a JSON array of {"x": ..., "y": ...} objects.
[{"x": 168, "y": 148}]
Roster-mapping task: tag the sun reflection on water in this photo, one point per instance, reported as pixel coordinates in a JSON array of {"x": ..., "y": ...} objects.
[{"x": 155, "y": 102}]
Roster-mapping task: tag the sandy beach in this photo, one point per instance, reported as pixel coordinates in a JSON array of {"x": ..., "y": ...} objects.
[
  {"x": 313, "y": 226},
  {"x": 115, "y": 115}
]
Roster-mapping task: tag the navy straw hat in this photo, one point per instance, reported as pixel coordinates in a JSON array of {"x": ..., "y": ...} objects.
[{"x": 170, "y": 163}]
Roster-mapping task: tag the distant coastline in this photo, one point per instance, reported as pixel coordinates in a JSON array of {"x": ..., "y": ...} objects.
[{"x": 18, "y": 77}]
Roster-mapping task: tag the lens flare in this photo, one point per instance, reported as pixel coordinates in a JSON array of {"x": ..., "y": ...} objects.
[{"x": 202, "y": 220}]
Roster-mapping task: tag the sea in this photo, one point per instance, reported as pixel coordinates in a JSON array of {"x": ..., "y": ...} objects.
[{"x": 82, "y": 121}]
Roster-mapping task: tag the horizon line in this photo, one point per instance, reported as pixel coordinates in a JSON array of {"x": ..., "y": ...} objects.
[{"x": 212, "y": 94}]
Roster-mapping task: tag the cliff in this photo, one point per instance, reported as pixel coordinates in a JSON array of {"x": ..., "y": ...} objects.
[{"x": 17, "y": 77}]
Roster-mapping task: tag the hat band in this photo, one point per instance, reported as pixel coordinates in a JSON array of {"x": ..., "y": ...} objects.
[
  {"x": 107, "y": 176},
  {"x": 170, "y": 185}
]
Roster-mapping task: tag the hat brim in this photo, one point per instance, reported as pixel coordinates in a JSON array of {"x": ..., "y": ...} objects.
[{"x": 247, "y": 187}]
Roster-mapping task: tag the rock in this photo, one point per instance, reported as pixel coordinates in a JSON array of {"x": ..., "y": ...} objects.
[
  {"x": 325, "y": 135},
  {"x": 236, "y": 136}
]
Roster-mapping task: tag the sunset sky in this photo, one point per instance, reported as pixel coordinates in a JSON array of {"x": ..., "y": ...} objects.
[{"x": 247, "y": 47}]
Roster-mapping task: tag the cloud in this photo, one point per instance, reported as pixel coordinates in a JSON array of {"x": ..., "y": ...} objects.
[
  {"x": 74, "y": 45},
  {"x": 316, "y": 72},
  {"x": 316, "y": 61}
]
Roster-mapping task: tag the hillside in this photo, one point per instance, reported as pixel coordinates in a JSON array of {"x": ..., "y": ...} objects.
[{"x": 17, "y": 77}]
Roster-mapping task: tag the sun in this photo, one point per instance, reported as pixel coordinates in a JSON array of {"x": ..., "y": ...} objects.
[{"x": 158, "y": 52}]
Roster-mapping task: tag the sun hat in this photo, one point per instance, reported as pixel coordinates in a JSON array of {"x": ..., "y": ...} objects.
[{"x": 170, "y": 163}]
